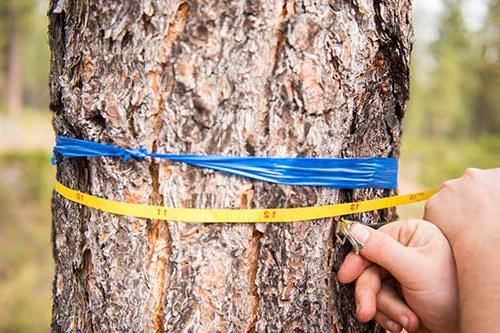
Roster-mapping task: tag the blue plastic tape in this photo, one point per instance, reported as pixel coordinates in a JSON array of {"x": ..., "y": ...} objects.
[{"x": 348, "y": 173}]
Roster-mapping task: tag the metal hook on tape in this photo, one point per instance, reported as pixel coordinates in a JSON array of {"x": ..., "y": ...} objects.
[{"x": 343, "y": 233}]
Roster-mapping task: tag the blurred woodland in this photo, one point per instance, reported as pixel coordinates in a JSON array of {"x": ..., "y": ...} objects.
[{"x": 453, "y": 122}]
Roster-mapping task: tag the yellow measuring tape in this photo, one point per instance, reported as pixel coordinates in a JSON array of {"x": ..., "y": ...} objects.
[{"x": 196, "y": 215}]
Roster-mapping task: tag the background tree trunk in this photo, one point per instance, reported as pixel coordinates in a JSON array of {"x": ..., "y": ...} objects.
[
  {"x": 265, "y": 78},
  {"x": 13, "y": 86}
]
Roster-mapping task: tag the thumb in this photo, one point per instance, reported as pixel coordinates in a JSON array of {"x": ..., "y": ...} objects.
[{"x": 386, "y": 251}]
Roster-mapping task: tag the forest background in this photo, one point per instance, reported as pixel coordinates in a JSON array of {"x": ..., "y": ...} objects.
[{"x": 452, "y": 122}]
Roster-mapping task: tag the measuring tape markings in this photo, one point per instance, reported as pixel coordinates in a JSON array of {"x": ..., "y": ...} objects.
[{"x": 274, "y": 215}]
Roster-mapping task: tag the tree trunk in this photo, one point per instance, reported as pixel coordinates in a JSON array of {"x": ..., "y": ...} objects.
[
  {"x": 13, "y": 87},
  {"x": 283, "y": 78}
]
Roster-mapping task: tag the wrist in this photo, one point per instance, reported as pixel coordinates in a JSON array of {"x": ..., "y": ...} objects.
[
  {"x": 483, "y": 241},
  {"x": 476, "y": 250}
]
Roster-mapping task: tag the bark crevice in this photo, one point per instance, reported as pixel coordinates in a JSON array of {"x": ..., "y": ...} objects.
[
  {"x": 160, "y": 245},
  {"x": 57, "y": 41},
  {"x": 253, "y": 267},
  {"x": 175, "y": 27},
  {"x": 281, "y": 22}
]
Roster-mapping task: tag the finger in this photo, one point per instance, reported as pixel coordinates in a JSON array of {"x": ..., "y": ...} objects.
[
  {"x": 387, "y": 323},
  {"x": 412, "y": 232},
  {"x": 352, "y": 267},
  {"x": 393, "y": 306},
  {"x": 386, "y": 251},
  {"x": 365, "y": 293},
  {"x": 403, "y": 232}
]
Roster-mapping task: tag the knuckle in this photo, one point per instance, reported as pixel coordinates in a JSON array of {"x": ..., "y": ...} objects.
[
  {"x": 471, "y": 173},
  {"x": 448, "y": 184},
  {"x": 413, "y": 222},
  {"x": 418, "y": 221},
  {"x": 452, "y": 185},
  {"x": 368, "y": 282},
  {"x": 412, "y": 229}
]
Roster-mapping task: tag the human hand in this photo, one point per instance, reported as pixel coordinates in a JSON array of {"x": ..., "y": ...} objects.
[
  {"x": 417, "y": 255},
  {"x": 469, "y": 203},
  {"x": 467, "y": 210}
]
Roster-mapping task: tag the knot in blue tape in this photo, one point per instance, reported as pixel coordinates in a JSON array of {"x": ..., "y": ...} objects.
[
  {"x": 140, "y": 153},
  {"x": 348, "y": 173}
]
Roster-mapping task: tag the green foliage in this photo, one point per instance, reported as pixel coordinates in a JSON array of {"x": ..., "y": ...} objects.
[
  {"x": 448, "y": 109},
  {"x": 457, "y": 98},
  {"x": 34, "y": 167},
  {"x": 16, "y": 13},
  {"x": 453, "y": 118},
  {"x": 438, "y": 161},
  {"x": 487, "y": 115}
]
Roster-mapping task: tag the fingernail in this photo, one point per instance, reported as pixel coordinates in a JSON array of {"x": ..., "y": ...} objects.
[
  {"x": 392, "y": 326},
  {"x": 405, "y": 321},
  {"x": 360, "y": 232}
]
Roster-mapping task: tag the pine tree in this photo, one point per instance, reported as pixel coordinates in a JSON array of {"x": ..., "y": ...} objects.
[{"x": 297, "y": 78}]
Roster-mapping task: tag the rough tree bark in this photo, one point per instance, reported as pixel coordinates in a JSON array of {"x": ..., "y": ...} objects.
[{"x": 266, "y": 78}]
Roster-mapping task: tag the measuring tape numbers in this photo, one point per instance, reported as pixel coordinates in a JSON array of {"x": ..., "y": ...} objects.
[{"x": 203, "y": 215}]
